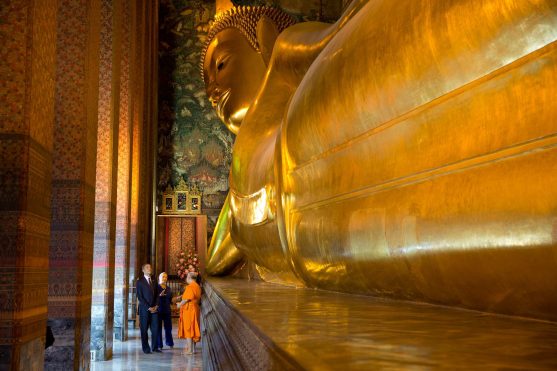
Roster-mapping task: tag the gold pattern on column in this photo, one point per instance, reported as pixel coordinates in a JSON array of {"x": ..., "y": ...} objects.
[
  {"x": 73, "y": 184},
  {"x": 27, "y": 70},
  {"x": 122, "y": 244},
  {"x": 102, "y": 309}
]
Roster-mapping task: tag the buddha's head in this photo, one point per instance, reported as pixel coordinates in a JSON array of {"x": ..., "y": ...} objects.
[{"x": 235, "y": 58}]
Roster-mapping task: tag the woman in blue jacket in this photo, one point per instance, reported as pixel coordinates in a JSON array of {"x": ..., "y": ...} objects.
[{"x": 165, "y": 298}]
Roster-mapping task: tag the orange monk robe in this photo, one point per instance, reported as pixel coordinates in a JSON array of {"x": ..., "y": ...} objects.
[{"x": 188, "y": 325}]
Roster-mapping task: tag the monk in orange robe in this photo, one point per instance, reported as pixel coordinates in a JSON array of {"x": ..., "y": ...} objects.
[{"x": 188, "y": 325}]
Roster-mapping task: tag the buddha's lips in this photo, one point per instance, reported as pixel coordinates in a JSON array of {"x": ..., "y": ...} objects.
[{"x": 222, "y": 102}]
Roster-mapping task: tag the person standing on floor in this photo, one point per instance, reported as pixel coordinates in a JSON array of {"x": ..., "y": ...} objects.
[
  {"x": 188, "y": 325},
  {"x": 164, "y": 314},
  {"x": 148, "y": 298}
]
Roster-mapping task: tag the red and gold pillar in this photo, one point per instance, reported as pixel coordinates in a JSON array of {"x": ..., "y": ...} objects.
[
  {"x": 122, "y": 248},
  {"x": 102, "y": 306},
  {"x": 27, "y": 75},
  {"x": 144, "y": 141},
  {"x": 73, "y": 183}
]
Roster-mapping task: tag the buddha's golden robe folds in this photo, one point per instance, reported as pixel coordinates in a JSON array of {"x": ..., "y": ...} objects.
[{"x": 410, "y": 150}]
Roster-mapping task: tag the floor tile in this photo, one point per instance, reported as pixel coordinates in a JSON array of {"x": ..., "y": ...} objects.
[{"x": 129, "y": 356}]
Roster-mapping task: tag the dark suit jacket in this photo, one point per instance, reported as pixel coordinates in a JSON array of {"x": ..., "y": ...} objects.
[
  {"x": 146, "y": 295},
  {"x": 166, "y": 300}
]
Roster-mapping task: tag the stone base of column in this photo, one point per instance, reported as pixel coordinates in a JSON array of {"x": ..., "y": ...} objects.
[
  {"x": 101, "y": 334},
  {"x": 120, "y": 334},
  {"x": 120, "y": 316},
  {"x": 61, "y": 354},
  {"x": 28, "y": 359},
  {"x": 71, "y": 338}
]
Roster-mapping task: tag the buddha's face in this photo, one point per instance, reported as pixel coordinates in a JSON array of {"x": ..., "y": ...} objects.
[{"x": 233, "y": 73}]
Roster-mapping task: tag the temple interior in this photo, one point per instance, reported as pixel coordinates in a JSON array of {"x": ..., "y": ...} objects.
[{"x": 355, "y": 184}]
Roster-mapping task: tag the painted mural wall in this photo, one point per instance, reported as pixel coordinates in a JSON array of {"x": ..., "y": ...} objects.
[{"x": 192, "y": 142}]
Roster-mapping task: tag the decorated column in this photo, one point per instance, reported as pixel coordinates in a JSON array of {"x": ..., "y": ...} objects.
[
  {"x": 73, "y": 184},
  {"x": 27, "y": 70},
  {"x": 102, "y": 308},
  {"x": 144, "y": 141},
  {"x": 123, "y": 188},
  {"x": 137, "y": 88}
]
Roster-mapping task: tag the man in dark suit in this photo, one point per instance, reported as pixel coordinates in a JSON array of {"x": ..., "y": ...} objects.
[{"x": 147, "y": 295}]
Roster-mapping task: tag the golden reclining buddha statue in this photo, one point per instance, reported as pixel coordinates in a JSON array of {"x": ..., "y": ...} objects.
[{"x": 407, "y": 150}]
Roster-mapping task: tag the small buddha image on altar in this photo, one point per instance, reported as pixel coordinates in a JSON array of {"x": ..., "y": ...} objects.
[
  {"x": 195, "y": 204},
  {"x": 183, "y": 199},
  {"x": 182, "y": 204},
  {"x": 194, "y": 197},
  {"x": 168, "y": 203}
]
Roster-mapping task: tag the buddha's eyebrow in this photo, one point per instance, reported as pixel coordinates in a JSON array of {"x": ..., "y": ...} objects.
[
  {"x": 224, "y": 50},
  {"x": 225, "y": 46}
]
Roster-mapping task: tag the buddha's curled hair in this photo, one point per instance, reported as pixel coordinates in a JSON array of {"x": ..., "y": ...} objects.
[{"x": 245, "y": 19}]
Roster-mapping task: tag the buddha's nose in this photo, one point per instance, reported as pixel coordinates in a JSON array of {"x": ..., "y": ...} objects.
[
  {"x": 214, "y": 98},
  {"x": 214, "y": 94}
]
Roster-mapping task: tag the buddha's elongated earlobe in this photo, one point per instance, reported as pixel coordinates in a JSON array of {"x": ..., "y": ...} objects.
[{"x": 267, "y": 34}]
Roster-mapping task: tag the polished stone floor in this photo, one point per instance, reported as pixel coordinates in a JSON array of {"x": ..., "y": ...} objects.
[
  {"x": 323, "y": 330},
  {"x": 129, "y": 356}
]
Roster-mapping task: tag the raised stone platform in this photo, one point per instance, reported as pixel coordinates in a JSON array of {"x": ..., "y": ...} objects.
[{"x": 251, "y": 325}]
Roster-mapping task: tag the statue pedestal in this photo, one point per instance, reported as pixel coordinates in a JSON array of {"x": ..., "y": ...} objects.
[{"x": 257, "y": 325}]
